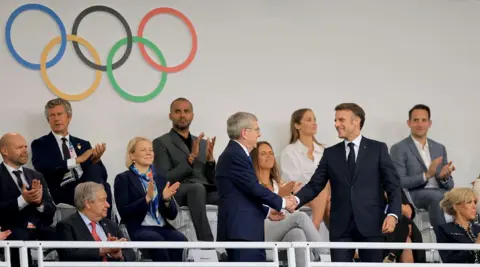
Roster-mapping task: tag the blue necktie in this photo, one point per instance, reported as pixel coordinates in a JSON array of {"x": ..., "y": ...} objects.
[{"x": 351, "y": 160}]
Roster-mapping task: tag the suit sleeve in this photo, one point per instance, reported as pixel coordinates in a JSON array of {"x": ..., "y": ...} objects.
[
  {"x": 64, "y": 232},
  {"x": 390, "y": 181},
  {"x": 450, "y": 256},
  {"x": 52, "y": 170},
  {"x": 128, "y": 208},
  {"x": 246, "y": 181},
  {"x": 317, "y": 182},
  {"x": 448, "y": 184},
  {"x": 169, "y": 209},
  {"x": 49, "y": 207},
  {"x": 399, "y": 159},
  {"x": 164, "y": 165}
]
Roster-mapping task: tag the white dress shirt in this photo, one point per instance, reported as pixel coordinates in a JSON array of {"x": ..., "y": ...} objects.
[
  {"x": 295, "y": 164},
  {"x": 427, "y": 160},
  {"x": 72, "y": 161},
  {"x": 22, "y": 203}
]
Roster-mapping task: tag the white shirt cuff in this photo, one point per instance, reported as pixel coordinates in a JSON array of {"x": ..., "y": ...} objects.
[
  {"x": 21, "y": 202},
  {"x": 391, "y": 214},
  {"x": 41, "y": 208},
  {"x": 72, "y": 163},
  {"x": 283, "y": 204}
]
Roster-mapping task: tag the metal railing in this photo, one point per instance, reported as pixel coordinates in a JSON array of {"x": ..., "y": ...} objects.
[{"x": 275, "y": 246}]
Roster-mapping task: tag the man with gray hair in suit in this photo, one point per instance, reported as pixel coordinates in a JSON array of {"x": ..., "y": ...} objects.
[
  {"x": 185, "y": 158},
  {"x": 423, "y": 166}
]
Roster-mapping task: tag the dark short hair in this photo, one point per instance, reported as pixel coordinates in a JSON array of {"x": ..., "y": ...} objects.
[
  {"x": 356, "y": 109},
  {"x": 182, "y": 99},
  {"x": 418, "y": 106}
]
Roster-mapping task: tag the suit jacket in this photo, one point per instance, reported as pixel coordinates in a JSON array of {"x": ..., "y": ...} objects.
[
  {"x": 410, "y": 165},
  {"x": 74, "y": 228},
  {"x": 451, "y": 233},
  {"x": 241, "y": 210},
  {"x": 47, "y": 159},
  {"x": 131, "y": 203},
  {"x": 11, "y": 216},
  {"x": 171, "y": 160},
  {"x": 362, "y": 196}
]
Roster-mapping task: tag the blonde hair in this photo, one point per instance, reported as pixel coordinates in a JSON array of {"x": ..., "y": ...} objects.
[
  {"x": 456, "y": 196},
  {"x": 131, "y": 148}
]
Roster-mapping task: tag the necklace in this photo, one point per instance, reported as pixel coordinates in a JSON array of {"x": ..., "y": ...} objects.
[{"x": 473, "y": 238}]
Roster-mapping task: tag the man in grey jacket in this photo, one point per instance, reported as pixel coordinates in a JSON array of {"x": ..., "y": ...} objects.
[
  {"x": 423, "y": 166},
  {"x": 182, "y": 157}
]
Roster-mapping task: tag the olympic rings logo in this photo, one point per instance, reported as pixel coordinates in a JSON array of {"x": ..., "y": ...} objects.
[{"x": 110, "y": 66}]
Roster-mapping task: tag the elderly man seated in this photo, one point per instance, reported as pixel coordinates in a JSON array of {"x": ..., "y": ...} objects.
[{"x": 90, "y": 224}]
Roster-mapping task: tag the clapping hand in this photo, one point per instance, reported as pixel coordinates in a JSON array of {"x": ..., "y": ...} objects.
[
  {"x": 170, "y": 190},
  {"x": 4, "y": 235},
  {"x": 285, "y": 190},
  {"x": 210, "y": 147},
  {"x": 447, "y": 170}
]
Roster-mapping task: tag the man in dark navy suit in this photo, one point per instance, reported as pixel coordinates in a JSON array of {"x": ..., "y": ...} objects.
[
  {"x": 26, "y": 207},
  {"x": 360, "y": 171},
  {"x": 65, "y": 160},
  {"x": 244, "y": 203}
]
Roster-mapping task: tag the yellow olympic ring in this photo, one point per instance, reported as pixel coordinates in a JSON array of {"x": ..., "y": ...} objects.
[{"x": 53, "y": 88}]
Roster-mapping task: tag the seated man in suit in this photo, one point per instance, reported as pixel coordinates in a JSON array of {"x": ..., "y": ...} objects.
[
  {"x": 90, "y": 224},
  {"x": 65, "y": 160},
  {"x": 423, "y": 166},
  {"x": 26, "y": 206},
  {"x": 182, "y": 157}
]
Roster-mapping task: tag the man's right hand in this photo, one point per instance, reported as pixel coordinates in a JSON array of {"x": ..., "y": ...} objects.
[
  {"x": 432, "y": 169},
  {"x": 291, "y": 203},
  {"x": 34, "y": 195},
  {"x": 85, "y": 156}
]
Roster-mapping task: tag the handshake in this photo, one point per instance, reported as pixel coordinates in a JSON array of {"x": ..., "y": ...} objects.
[{"x": 290, "y": 206}]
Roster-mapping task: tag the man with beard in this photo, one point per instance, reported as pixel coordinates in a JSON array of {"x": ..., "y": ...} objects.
[
  {"x": 423, "y": 166},
  {"x": 26, "y": 206},
  {"x": 185, "y": 158}
]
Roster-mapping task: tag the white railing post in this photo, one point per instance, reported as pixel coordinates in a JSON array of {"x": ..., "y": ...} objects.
[
  {"x": 307, "y": 256},
  {"x": 275, "y": 255},
  {"x": 40, "y": 256},
  {"x": 23, "y": 252},
  {"x": 291, "y": 257}
]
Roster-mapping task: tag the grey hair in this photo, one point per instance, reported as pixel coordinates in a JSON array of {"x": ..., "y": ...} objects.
[
  {"x": 57, "y": 102},
  {"x": 86, "y": 192},
  {"x": 237, "y": 122}
]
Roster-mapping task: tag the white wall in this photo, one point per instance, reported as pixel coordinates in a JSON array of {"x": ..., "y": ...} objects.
[{"x": 267, "y": 57}]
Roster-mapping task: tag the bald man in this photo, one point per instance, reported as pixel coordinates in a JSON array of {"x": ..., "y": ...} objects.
[{"x": 26, "y": 207}]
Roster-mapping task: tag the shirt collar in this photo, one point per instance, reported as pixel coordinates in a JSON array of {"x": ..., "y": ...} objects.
[
  {"x": 356, "y": 141},
  {"x": 244, "y": 148},
  {"x": 10, "y": 169},
  {"x": 59, "y": 137},
  {"x": 85, "y": 218},
  {"x": 418, "y": 143},
  {"x": 302, "y": 148}
]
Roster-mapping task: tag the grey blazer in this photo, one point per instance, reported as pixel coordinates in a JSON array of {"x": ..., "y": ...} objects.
[
  {"x": 171, "y": 160},
  {"x": 410, "y": 165}
]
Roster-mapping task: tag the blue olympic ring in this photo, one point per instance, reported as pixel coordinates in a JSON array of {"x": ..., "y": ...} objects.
[{"x": 51, "y": 13}]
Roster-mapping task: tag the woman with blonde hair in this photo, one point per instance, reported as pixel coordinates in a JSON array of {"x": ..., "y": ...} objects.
[
  {"x": 144, "y": 201},
  {"x": 300, "y": 159},
  {"x": 461, "y": 204}
]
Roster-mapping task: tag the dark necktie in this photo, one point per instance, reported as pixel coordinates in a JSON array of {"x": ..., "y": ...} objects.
[
  {"x": 66, "y": 151},
  {"x": 351, "y": 160},
  {"x": 18, "y": 173}
]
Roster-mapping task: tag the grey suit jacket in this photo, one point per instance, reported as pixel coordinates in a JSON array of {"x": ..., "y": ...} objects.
[
  {"x": 171, "y": 160},
  {"x": 410, "y": 165}
]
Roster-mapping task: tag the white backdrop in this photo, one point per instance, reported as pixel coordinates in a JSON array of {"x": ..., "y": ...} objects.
[{"x": 267, "y": 57}]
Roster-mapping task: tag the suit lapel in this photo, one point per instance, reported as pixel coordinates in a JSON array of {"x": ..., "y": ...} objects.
[
  {"x": 106, "y": 229},
  {"x": 82, "y": 228},
  {"x": 361, "y": 157},
  {"x": 415, "y": 152},
  {"x": 28, "y": 177},
  {"x": 11, "y": 186},
  {"x": 137, "y": 184},
  {"x": 178, "y": 142},
  {"x": 54, "y": 146},
  {"x": 432, "y": 149}
]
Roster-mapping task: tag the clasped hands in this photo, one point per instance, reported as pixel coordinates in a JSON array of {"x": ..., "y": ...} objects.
[{"x": 115, "y": 253}]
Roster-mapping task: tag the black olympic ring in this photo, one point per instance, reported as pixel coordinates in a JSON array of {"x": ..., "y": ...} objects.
[{"x": 122, "y": 20}]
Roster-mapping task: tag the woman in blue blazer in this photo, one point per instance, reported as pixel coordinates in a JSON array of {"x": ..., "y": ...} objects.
[{"x": 144, "y": 201}]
